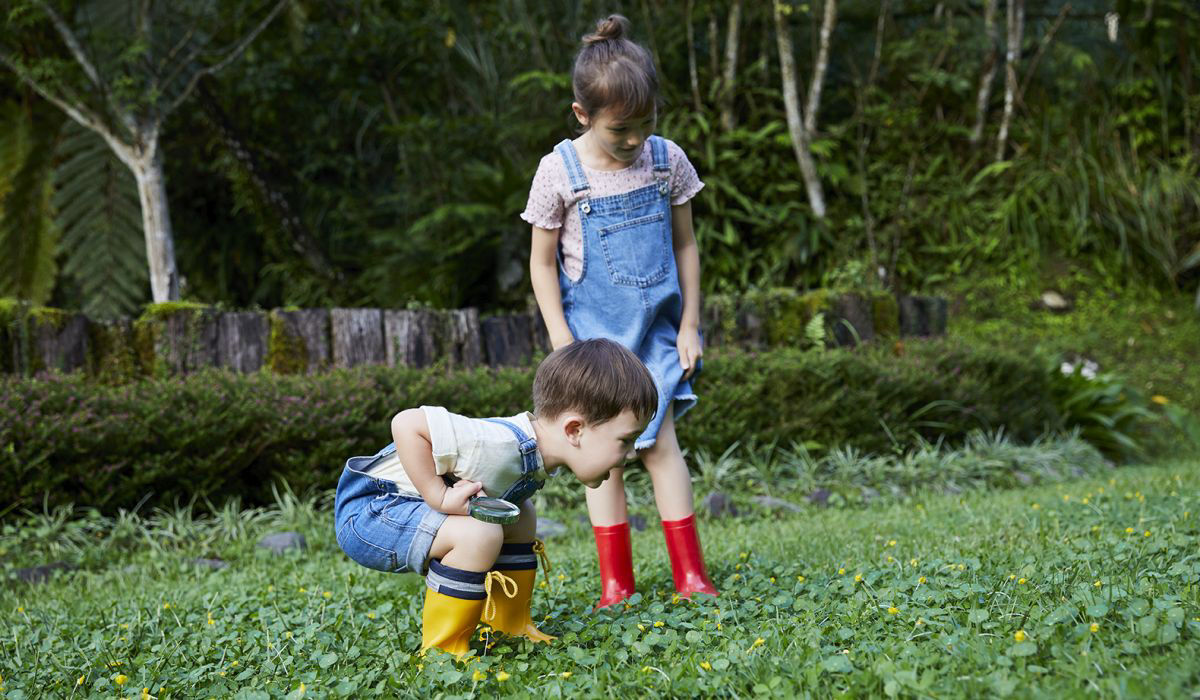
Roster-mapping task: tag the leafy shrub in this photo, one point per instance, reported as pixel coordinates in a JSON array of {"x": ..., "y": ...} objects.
[{"x": 218, "y": 434}]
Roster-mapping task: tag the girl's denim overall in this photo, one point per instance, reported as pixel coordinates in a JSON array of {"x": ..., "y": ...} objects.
[
  {"x": 629, "y": 290},
  {"x": 382, "y": 529}
]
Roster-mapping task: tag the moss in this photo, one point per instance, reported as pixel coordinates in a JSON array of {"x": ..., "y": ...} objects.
[
  {"x": 885, "y": 313},
  {"x": 286, "y": 351},
  {"x": 720, "y": 315},
  {"x": 111, "y": 355},
  {"x": 147, "y": 332}
]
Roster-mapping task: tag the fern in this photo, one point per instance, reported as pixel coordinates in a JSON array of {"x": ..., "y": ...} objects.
[
  {"x": 27, "y": 234},
  {"x": 100, "y": 217},
  {"x": 814, "y": 331}
]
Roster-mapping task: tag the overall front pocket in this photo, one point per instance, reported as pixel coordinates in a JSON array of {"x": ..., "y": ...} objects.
[{"x": 637, "y": 251}]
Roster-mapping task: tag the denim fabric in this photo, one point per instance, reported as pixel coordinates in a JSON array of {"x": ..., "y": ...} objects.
[
  {"x": 629, "y": 291},
  {"x": 528, "y": 484},
  {"x": 379, "y": 527}
]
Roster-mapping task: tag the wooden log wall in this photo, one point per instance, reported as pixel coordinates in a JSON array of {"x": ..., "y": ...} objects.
[{"x": 179, "y": 339}]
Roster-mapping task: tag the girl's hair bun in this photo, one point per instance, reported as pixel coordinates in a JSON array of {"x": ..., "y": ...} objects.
[{"x": 611, "y": 28}]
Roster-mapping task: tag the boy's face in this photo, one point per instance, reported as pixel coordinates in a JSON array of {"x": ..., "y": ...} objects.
[
  {"x": 601, "y": 448},
  {"x": 620, "y": 139}
]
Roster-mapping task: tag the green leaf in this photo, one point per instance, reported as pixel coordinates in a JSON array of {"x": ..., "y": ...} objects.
[
  {"x": 838, "y": 663},
  {"x": 1026, "y": 648}
]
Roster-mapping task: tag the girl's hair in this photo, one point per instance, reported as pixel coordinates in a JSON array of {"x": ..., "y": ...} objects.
[{"x": 613, "y": 73}]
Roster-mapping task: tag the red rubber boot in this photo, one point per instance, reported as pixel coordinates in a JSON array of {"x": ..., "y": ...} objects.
[
  {"x": 615, "y": 553},
  {"x": 687, "y": 561}
]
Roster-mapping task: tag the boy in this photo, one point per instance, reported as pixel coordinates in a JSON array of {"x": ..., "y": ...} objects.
[{"x": 405, "y": 508}]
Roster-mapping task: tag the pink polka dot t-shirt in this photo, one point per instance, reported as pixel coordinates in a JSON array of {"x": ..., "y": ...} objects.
[{"x": 552, "y": 204}]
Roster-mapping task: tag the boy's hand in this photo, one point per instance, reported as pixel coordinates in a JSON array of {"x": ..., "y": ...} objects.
[
  {"x": 690, "y": 350},
  {"x": 454, "y": 500}
]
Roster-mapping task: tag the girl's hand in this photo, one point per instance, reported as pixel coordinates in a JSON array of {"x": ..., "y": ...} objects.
[
  {"x": 690, "y": 352},
  {"x": 454, "y": 500}
]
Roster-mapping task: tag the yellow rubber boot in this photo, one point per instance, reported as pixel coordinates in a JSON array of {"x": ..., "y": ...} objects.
[
  {"x": 448, "y": 622},
  {"x": 510, "y": 613}
]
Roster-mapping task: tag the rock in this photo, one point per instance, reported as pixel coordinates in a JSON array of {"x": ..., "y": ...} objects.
[
  {"x": 772, "y": 503},
  {"x": 819, "y": 497},
  {"x": 42, "y": 574},
  {"x": 547, "y": 528},
  {"x": 216, "y": 564},
  {"x": 1053, "y": 301},
  {"x": 719, "y": 505},
  {"x": 280, "y": 542},
  {"x": 637, "y": 522}
]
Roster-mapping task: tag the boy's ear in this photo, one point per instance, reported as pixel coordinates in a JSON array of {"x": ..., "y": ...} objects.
[
  {"x": 581, "y": 115},
  {"x": 573, "y": 429}
]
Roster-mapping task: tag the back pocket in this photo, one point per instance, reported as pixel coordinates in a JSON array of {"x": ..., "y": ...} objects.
[
  {"x": 372, "y": 542},
  {"x": 636, "y": 251}
]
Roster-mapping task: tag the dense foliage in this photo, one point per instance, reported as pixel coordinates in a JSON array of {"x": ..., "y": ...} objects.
[
  {"x": 221, "y": 434},
  {"x": 378, "y": 153}
]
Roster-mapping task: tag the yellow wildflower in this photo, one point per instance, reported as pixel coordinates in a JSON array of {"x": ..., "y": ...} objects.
[
  {"x": 912, "y": 562},
  {"x": 121, "y": 679},
  {"x": 1160, "y": 399},
  {"x": 891, "y": 543},
  {"x": 166, "y": 606},
  {"x": 642, "y": 627},
  {"x": 744, "y": 555},
  {"x": 478, "y": 676},
  {"x": 890, "y": 559},
  {"x": 80, "y": 680},
  {"x": 502, "y": 676},
  {"x": 841, "y": 571},
  {"x": 1022, "y": 581},
  {"x": 893, "y": 610},
  {"x": 327, "y": 594},
  {"x": 1128, "y": 531},
  {"x": 1097, "y": 584},
  {"x": 921, "y": 580},
  {"x": 1011, "y": 576},
  {"x": 658, "y": 623},
  {"x": 705, "y": 665},
  {"x": 962, "y": 567},
  {"x": 1019, "y": 636},
  {"x": 1146, "y": 533},
  {"x": 772, "y": 579},
  {"x": 1035, "y": 506},
  {"x": 800, "y": 578},
  {"x": 857, "y": 578},
  {"x": 1095, "y": 627},
  {"x": 370, "y": 616}
]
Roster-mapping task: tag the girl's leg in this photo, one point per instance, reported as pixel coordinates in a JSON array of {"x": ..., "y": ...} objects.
[
  {"x": 606, "y": 504},
  {"x": 673, "y": 495},
  {"x": 668, "y": 473},
  {"x": 610, "y": 524}
]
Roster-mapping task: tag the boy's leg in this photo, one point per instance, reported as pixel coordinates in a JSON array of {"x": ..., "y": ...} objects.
[
  {"x": 610, "y": 524},
  {"x": 518, "y": 561},
  {"x": 456, "y": 592},
  {"x": 673, "y": 495}
]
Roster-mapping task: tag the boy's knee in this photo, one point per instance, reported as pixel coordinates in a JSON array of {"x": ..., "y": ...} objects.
[{"x": 483, "y": 536}]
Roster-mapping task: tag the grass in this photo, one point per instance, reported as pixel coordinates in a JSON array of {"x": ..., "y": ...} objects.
[{"x": 1082, "y": 587}]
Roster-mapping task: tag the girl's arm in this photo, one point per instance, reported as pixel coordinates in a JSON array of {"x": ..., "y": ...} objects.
[
  {"x": 410, "y": 431},
  {"x": 543, "y": 273},
  {"x": 687, "y": 260}
]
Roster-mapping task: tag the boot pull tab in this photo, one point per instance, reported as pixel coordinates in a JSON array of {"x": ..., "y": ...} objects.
[{"x": 489, "y": 606}]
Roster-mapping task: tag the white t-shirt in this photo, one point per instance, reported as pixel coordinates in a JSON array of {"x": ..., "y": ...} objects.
[{"x": 467, "y": 448}]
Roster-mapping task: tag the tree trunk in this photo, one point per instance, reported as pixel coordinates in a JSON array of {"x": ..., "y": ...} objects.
[
  {"x": 156, "y": 224},
  {"x": 1016, "y": 22},
  {"x": 729, "y": 79},
  {"x": 693, "y": 73},
  {"x": 795, "y": 121},
  {"x": 818, "y": 78},
  {"x": 989, "y": 71}
]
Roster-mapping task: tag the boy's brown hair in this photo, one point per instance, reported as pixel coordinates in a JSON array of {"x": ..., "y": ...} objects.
[{"x": 598, "y": 378}]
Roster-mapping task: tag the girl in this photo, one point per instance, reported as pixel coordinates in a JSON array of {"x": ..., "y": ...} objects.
[{"x": 614, "y": 256}]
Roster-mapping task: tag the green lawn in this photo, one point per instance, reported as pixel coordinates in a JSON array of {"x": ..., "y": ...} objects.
[{"x": 1076, "y": 588}]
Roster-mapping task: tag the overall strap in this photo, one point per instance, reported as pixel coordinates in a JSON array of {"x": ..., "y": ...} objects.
[
  {"x": 662, "y": 164},
  {"x": 566, "y": 149},
  {"x": 528, "y": 445}
]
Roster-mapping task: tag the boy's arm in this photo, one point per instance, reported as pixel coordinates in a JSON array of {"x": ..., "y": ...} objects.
[
  {"x": 543, "y": 274},
  {"x": 687, "y": 260},
  {"x": 410, "y": 431}
]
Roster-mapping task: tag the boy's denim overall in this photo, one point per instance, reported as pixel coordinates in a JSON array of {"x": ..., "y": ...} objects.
[
  {"x": 382, "y": 529},
  {"x": 629, "y": 290}
]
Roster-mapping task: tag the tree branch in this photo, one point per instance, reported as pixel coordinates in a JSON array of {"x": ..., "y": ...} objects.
[
  {"x": 818, "y": 78},
  {"x": 1049, "y": 36},
  {"x": 73, "y": 44},
  {"x": 76, "y": 111},
  {"x": 230, "y": 57}
]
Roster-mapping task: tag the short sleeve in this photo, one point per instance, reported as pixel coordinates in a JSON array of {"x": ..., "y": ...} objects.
[
  {"x": 443, "y": 439},
  {"x": 685, "y": 183},
  {"x": 545, "y": 208}
]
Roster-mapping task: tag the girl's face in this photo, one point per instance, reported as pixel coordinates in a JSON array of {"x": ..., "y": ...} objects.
[{"x": 619, "y": 139}]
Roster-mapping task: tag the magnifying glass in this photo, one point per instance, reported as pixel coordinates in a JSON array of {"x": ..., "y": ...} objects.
[{"x": 493, "y": 510}]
